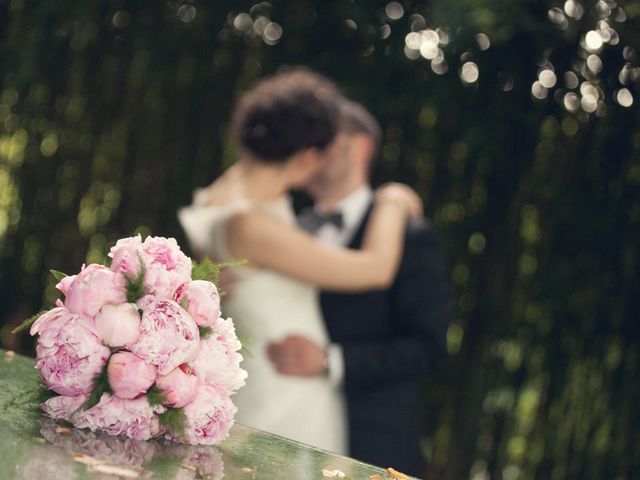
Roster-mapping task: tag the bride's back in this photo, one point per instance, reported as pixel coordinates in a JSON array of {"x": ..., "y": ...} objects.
[{"x": 261, "y": 300}]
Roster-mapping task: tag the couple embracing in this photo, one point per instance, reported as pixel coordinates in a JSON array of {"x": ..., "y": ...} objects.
[{"x": 346, "y": 306}]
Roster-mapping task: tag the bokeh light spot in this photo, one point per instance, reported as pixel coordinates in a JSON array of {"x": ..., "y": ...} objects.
[
  {"x": 570, "y": 126},
  {"x": 593, "y": 40},
  {"x": 539, "y": 91},
  {"x": 589, "y": 103},
  {"x": 571, "y": 80},
  {"x": 350, "y": 24},
  {"x": 469, "y": 73},
  {"x": 571, "y": 101},
  {"x": 439, "y": 66},
  {"x": 574, "y": 9},
  {"x": 428, "y": 50},
  {"x": 624, "y": 97},
  {"x": 594, "y": 63},
  {"x": 49, "y": 145},
  {"x": 394, "y": 11},
  {"x": 547, "y": 78},
  {"x": 121, "y": 19},
  {"x": 455, "y": 334},
  {"x": 187, "y": 13},
  {"x": 413, "y": 40},
  {"x": 243, "y": 22},
  {"x": 557, "y": 17},
  {"x": 272, "y": 33},
  {"x": 477, "y": 243},
  {"x": 483, "y": 41}
]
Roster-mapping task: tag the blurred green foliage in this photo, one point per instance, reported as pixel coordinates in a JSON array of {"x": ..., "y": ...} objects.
[{"x": 111, "y": 112}]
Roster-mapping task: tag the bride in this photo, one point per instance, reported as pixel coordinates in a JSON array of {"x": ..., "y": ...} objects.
[{"x": 283, "y": 126}]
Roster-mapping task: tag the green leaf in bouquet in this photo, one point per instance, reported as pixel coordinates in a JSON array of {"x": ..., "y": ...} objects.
[
  {"x": 174, "y": 420},
  {"x": 100, "y": 386},
  {"x": 204, "y": 270},
  {"x": 28, "y": 322},
  {"x": 244, "y": 350},
  {"x": 58, "y": 275},
  {"x": 41, "y": 394},
  {"x": 184, "y": 303},
  {"x": 204, "y": 331},
  {"x": 210, "y": 271},
  {"x": 156, "y": 397},
  {"x": 136, "y": 288}
]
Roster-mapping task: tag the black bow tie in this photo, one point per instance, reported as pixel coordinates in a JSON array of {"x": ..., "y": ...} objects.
[{"x": 311, "y": 221}]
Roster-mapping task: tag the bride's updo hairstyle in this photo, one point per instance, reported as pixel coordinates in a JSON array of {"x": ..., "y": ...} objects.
[{"x": 287, "y": 113}]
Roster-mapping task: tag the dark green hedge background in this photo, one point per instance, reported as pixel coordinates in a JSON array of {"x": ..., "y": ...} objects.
[{"x": 111, "y": 112}]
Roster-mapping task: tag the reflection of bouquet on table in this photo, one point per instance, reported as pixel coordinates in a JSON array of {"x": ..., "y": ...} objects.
[
  {"x": 140, "y": 349},
  {"x": 118, "y": 456}
]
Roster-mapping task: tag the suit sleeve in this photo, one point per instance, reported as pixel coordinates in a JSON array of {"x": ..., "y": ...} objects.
[{"x": 421, "y": 313}]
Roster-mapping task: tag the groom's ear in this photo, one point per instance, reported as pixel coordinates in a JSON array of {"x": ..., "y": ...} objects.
[{"x": 364, "y": 149}]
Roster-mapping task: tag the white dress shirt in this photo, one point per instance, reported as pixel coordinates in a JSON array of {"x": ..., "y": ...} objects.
[{"x": 353, "y": 208}]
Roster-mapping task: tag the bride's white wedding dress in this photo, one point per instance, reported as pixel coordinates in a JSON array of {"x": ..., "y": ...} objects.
[{"x": 267, "y": 306}]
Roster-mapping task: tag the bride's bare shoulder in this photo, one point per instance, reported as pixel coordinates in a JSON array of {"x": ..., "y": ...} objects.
[{"x": 220, "y": 193}]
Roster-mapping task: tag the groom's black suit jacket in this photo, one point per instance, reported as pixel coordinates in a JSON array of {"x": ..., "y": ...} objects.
[{"x": 391, "y": 340}]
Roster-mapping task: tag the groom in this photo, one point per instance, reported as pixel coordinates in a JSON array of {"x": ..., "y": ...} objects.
[{"x": 384, "y": 343}]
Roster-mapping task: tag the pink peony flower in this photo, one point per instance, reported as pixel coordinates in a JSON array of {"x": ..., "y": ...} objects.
[
  {"x": 168, "y": 335},
  {"x": 69, "y": 354},
  {"x": 61, "y": 407},
  {"x": 64, "y": 284},
  {"x": 203, "y": 301},
  {"x": 118, "y": 325},
  {"x": 129, "y": 375},
  {"x": 48, "y": 320},
  {"x": 209, "y": 417},
  {"x": 167, "y": 267},
  {"x": 180, "y": 386},
  {"x": 116, "y": 416},
  {"x": 218, "y": 362},
  {"x": 94, "y": 287},
  {"x": 126, "y": 256}
]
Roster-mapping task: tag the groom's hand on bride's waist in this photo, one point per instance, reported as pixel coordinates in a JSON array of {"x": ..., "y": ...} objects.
[{"x": 298, "y": 356}]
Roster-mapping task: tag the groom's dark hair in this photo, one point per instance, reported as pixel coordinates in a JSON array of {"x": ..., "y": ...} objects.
[
  {"x": 286, "y": 113},
  {"x": 356, "y": 119}
]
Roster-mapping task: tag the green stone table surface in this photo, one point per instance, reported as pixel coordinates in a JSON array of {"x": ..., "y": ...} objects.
[{"x": 35, "y": 448}]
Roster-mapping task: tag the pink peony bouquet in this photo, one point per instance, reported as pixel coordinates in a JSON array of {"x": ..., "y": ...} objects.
[{"x": 140, "y": 348}]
